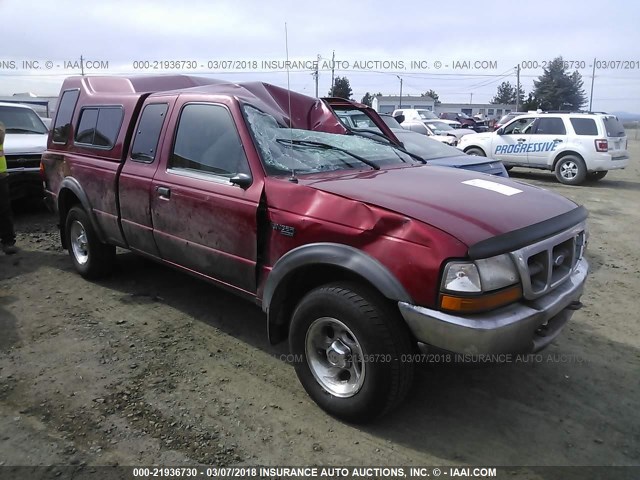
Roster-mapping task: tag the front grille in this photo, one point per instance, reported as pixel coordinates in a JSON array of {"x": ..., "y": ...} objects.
[
  {"x": 23, "y": 161},
  {"x": 546, "y": 264}
]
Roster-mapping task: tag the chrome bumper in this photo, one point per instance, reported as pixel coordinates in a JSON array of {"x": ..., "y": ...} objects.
[
  {"x": 520, "y": 327},
  {"x": 15, "y": 170}
]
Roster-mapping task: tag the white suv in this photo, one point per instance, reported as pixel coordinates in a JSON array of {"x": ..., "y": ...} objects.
[{"x": 576, "y": 146}]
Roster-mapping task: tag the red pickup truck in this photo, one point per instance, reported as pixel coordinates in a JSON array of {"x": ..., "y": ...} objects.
[{"x": 359, "y": 253}]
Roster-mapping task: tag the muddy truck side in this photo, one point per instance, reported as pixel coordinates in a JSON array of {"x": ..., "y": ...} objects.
[{"x": 360, "y": 254}]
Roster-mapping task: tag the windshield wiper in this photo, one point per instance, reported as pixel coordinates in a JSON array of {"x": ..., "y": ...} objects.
[
  {"x": 366, "y": 130},
  {"x": 21, "y": 130},
  {"x": 326, "y": 146}
]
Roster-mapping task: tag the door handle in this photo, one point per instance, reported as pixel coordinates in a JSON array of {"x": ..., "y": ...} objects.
[
  {"x": 557, "y": 140},
  {"x": 164, "y": 191},
  {"x": 522, "y": 139}
]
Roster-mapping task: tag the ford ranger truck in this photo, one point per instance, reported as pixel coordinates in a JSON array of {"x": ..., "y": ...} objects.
[{"x": 358, "y": 253}]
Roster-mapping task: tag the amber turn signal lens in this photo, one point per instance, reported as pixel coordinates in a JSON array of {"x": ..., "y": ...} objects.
[{"x": 481, "y": 302}]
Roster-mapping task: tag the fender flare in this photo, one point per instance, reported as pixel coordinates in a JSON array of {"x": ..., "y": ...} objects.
[
  {"x": 338, "y": 255},
  {"x": 70, "y": 183}
]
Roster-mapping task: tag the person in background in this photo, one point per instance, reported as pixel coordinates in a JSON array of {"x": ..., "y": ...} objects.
[{"x": 7, "y": 233}]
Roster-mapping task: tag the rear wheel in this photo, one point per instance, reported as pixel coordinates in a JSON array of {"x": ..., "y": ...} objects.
[
  {"x": 350, "y": 348},
  {"x": 475, "y": 151},
  {"x": 90, "y": 257},
  {"x": 595, "y": 176},
  {"x": 571, "y": 170}
]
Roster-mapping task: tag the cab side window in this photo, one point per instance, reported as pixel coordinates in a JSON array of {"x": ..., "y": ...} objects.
[
  {"x": 148, "y": 132},
  {"x": 99, "y": 127},
  {"x": 550, "y": 126},
  {"x": 62, "y": 124},
  {"x": 521, "y": 125},
  {"x": 207, "y": 142}
]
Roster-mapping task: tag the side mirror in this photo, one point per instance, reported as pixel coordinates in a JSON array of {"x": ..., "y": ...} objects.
[
  {"x": 242, "y": 180},
  {"x": 500, "y": 131},
  {"x": 399, "y": 118}
]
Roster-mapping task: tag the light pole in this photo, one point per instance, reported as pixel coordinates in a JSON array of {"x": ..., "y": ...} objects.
[{"x": 400, "y": 78}]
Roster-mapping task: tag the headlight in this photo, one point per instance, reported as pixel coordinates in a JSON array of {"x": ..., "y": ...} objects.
[
  {"x": 461, "y": 277},
  {"x": 497, "y": 272},
  {"x": 481, "y": 285}
]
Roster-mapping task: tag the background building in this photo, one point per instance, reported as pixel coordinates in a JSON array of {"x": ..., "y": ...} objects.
[
  {"x": 488, "y": 110},
  {"x": 389, "y": 103},
  {"x": 44, "y": 106}
]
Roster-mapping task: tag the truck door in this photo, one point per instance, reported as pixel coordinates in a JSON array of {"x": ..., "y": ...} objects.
[
  {"x": 511, "y": 146},
  {"x": 136, "y": 177},
  {"x": 202, "y": 220}
]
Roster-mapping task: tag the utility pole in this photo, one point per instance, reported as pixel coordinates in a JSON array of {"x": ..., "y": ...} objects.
[
  {"x": 593, "y": 77},
  {"x": 470, "y": 98},
  {"x": 81, "y": 65},
  {"x": 316, "y": 74},
  {"x": 400, "y": 78},
  {"x": 518, "y": 88},
  {"x": 333, "y": 64}
]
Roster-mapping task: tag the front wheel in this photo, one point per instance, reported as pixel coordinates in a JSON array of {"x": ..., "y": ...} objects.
[
  {"x": 90, "y": 257},
  {"x": 571, "y": 170},
  {"x": 595, "y": 176},
  {"x": 475, "y": 151},
  {"x": 350, "y": 348}
]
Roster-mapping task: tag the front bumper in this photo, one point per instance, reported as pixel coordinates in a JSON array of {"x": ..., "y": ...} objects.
[{"x": 526, "y": 326}]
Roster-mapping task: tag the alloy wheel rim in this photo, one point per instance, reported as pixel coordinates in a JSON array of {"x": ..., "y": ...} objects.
[
  {"x": 569, "y": 170},
  {"x": 335, "y": 357},
  {"x": 79, "y": 243}
]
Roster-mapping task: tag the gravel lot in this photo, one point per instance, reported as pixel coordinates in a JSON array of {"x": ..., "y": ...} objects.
[{"x": 154, "y": 367}]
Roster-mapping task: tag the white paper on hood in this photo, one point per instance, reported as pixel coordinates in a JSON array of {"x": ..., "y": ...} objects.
[{"x": 493, "y": 186}]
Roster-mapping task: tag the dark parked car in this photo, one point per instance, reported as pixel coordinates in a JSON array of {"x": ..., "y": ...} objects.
[
  {"x": 465, "y": 120},
  {"x": 434, "y": 152},
  {"x": 438, "y": 153}
]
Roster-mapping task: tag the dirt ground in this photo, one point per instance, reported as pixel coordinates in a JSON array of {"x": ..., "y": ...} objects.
[{"x": 154, "y": 367}]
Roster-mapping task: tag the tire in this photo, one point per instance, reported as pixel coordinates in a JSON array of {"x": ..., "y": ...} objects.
[
  {"x": 349, "y": 346},
  {"x": 508, "y": 168},
  {"x": 91, "y": 258},
  {"x": 595, "y": 176},
  {"x": 475, "y": 151},
  {"x": 571, "y": 170}
]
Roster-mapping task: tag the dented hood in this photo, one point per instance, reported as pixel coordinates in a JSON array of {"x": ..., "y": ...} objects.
[{"x": 470, "y": 206}]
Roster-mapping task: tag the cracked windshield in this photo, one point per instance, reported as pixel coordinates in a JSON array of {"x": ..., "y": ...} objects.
[{"x": 284, "y": 149}]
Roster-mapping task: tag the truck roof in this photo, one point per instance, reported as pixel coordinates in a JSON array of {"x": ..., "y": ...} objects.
[
  {"x": 306, "y": 112},
  {"x": 135, "y": 84}
]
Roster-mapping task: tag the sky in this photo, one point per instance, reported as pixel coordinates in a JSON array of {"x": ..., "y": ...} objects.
[{"x": 462, "y": 50}]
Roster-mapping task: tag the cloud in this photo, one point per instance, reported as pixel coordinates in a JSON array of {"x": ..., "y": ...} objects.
[{"x": 122, "y": 32}]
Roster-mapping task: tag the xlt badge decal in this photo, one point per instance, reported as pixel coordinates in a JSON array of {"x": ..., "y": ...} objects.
[{"x": 285, "y": 230}]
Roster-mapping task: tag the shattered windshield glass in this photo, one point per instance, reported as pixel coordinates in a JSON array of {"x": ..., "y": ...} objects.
[{"x": 284, "y": 149}]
